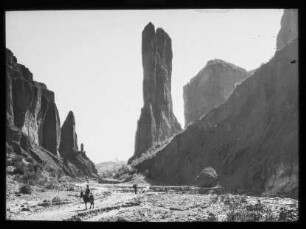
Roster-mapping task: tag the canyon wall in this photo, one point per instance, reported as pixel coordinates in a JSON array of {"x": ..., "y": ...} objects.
[
  {"x": 32, "y": 120},
  {"x": 31, "y": 107},
  {"x": 210, "y": 88},
  {"x": 289, "y": 28},
  {"x": 251, "y": 140}
]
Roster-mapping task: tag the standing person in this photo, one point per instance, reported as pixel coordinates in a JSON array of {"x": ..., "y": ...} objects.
[{"x": 135, "y": 188}]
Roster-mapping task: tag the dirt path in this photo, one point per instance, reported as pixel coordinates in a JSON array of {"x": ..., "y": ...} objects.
[
  {"x": 118, "y": 202},
  {"x": 105, "y": 199}
]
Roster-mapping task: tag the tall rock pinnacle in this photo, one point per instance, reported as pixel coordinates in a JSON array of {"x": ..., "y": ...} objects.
[
  {"x": 157, "y": 121},
  {"x": 69, "y": 142}
]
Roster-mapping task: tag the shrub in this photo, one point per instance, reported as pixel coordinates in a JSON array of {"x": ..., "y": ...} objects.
[
  {"x": 212, "y": 217},
  {"x": 56, "y": 199},
  {"x": 25, "y": 189},
  {"x": 239, "y": 210},
  {"x": 17, "y": 162},
  {"x": 70, "y": 188},
  {"x": 214, "y": 199},
  {"x": 287, "y": 215},
  {"x": 32, "y": 173},
  {"x": 52, "y": 184},
  {"x": 124, "y": 170}
]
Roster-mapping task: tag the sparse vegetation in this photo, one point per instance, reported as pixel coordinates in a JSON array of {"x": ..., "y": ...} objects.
[
  {"x": 52, "y": 184},
  {"x": 25, "y": 189},
  {"x": 56, "y": 199},
  {"x": 212, "y": 217},
  {"x": 124, "y": 171},
  {"x": 28, "y": 172},
  {"x": 287, "y": 215},
  {"x": 239, "y": 209}
]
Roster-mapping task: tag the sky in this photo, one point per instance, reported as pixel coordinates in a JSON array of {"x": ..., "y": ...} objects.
[{"x": 92, "y": 61}]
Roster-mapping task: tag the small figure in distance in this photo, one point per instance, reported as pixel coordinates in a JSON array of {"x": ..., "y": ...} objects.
[{"x": 135, "y": 188}]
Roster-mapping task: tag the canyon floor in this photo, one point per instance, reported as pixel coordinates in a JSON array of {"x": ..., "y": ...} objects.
[{"x": 118, "y": 202}]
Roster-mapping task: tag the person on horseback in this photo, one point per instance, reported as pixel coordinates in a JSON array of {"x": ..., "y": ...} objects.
[{"x": 88, "y": 197}]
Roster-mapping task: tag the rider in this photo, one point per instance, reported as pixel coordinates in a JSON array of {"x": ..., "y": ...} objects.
[{"x": 87, "y": 191}]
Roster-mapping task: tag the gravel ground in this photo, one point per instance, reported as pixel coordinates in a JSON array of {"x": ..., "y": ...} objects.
[{"x": 117, "y": 202}]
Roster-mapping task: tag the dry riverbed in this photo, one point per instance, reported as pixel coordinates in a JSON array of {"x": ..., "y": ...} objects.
[{"x": 118, "y": 202}]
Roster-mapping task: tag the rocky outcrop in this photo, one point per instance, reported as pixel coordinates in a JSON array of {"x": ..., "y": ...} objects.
[
  {"x": 289, "y": 28},
  {"x": 251, "y": 140},
  {"x": 76, "y": 160},
  {"x": 69, "y": 142},
  {"x": 157, "y": 121},
  {"x": 210, "y": 88},
  {"x": 31, "y": 106},
  {"x": 33, "y": 124},
  {"x": 208, "y": 178}
]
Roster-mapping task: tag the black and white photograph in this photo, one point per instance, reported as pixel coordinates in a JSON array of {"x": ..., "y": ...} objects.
[{"x": 152, "y": 115}]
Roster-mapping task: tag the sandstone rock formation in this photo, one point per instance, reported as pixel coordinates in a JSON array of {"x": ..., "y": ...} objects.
[
  {"x": 77, "y": 161},
  {"x": 251, "y": 140},
  {"x": 69, "y": 142},
  {"x": 289, "y": 28},
  {"x": 157, "y": 121},
  {"x": 210, "y": 88},
  {"x": 31, "y": 106},
  {"x": 32, "y": 121}
]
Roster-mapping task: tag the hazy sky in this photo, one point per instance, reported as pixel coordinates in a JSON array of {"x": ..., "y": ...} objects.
[{"x": 92, "y": 61}]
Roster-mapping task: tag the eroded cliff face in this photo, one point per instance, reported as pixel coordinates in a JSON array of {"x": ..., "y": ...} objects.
[
  {"x": 31, "y": 106},
  {"x": 251, "y": 140},
  {"x": 289, "y": 28},
  {"x": 210, "y": 88},
  {"x": 32, "y": 119},
  {"x": 157, "y": 121}
]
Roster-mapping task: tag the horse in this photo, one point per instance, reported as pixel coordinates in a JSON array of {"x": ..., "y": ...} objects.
[{"x": 88, "y": 198}]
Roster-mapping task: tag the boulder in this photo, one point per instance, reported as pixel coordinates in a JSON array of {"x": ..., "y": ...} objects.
[{"x": 207, "y": 178}]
